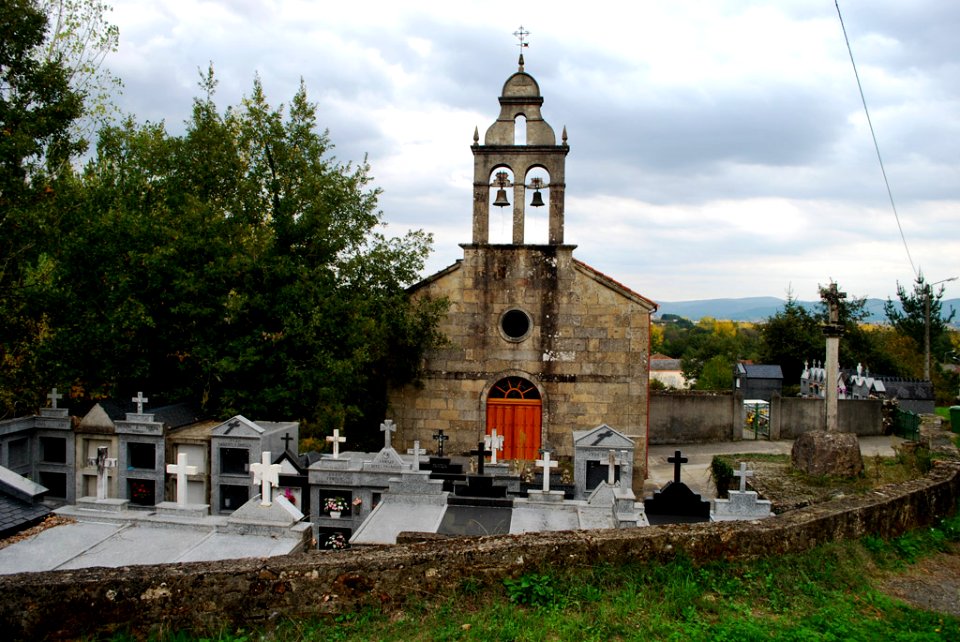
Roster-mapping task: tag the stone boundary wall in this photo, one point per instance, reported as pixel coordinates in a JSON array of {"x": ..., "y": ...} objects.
[
  {"x": 694, "y": 418},
  {"x": 209, "y": 596},
  {"x": 690, "y": 418}
]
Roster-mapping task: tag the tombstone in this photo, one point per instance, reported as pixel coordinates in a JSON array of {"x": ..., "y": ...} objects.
[
  {"x": 103, "y": 464},
  {"x": 741, "y": 504},
  {"x": 416, "y": 451},
  {"x": 591, "y": 458},
  {"x": 481, "y": 486},
  {"x": 53, "y": 397},
  {"x": 545, "y": 494},
  {"x": 139, "y": 400},
  {"x": 336, "y": 440},
  {"x": 481, "y": 452},
  {"x": 386, "y": 428},
  {"x": 494, "y": 442},
  {"x": 181, "y": 470},
  {"x": 440, "y": 438},
  {"x": 267, "y": 475},
  {"x": 675, "y": 502}
]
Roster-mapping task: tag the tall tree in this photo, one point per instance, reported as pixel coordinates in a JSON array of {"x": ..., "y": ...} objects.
[
  {"x": 918, "y": 308},
  {"x": 241, "y": 265},
  {"x": 790, "y": 337},
  {"x": 37, "y": 109}
]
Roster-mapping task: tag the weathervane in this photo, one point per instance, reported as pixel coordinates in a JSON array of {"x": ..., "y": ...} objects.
[{"x": 521, "y": 34}]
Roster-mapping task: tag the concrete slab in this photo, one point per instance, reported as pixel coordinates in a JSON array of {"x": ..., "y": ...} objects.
[
  {"x": 137, "y": 545},
  {"x": 228, "y": 546},
  {"x": 390, "y": 518},
  {"x": 54, "y": 547},
  {"x": 531, "y": 517}
]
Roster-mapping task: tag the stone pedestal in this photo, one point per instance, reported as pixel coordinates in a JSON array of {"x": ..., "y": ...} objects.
[{"x": 827, "y": 453}]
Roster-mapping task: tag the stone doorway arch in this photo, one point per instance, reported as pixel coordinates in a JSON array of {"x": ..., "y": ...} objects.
[{"x": 515, "y": 410}]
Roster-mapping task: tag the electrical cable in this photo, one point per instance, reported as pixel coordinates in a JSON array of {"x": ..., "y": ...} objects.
[{"x": 876, "y": 145}]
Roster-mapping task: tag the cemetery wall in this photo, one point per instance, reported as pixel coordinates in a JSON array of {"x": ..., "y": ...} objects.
[
  {"x": 206, "y": 597},
  {"x": 790, "y": 417},
  {"x": 694, "y": 418}
]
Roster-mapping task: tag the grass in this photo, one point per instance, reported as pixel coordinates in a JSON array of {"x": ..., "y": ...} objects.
[{"x": 830, "y": 593}]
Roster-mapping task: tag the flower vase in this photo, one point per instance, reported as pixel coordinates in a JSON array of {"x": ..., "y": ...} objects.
[{"x": 335, "y": 514}]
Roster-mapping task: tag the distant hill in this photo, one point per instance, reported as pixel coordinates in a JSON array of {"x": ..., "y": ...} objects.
[{"x": 760, "y": 308}]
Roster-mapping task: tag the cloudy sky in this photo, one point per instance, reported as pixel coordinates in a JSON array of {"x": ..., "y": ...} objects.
[{"x": 717, "y": 148}]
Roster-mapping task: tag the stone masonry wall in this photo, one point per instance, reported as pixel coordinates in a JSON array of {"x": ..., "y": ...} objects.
[
  {"x": 206, "y": 597},
  {"x": 587, "y": 350}
]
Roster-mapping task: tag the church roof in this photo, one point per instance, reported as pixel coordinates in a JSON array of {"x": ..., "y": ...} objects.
[{"x": 613, "y": 284}]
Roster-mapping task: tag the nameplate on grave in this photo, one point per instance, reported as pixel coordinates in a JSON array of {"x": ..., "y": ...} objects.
[
  {"x": 138, "y": 428},
  {"x": 336, "y": 478},
  {"x": 386, "y": 459},
  {"x": 54, "y": 413},
  {"x": 53, "y": 423},
  {"x": 231, "y": 442}
]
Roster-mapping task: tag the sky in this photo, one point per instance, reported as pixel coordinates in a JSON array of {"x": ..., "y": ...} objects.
[{"x": 718, "y": 148}]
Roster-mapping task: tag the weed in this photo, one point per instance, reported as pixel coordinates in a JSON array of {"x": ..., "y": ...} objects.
[
  {"x": 531, "y": 589},
  {"x": 722, "y": 474}
]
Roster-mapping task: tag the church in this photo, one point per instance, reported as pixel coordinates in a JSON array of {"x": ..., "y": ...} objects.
[{"x": 539, "y": 344}]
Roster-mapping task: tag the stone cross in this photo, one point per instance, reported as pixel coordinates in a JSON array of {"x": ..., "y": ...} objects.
[
  {"x": 440, "y": 438},
  {"x": 416, "y": 451},
  {"x": 386, "y": 428},
  {"x": 53, "y": 396},
  {"x": 140, "y": 400},
  {"x": 268, "y": 476},
  {"x": 546, "y": 464},
  {"x": 103, "y": 463},
  {"x": 626, "y": 469},
  {"x": 480, "y": 452},
  {"x": 336, "y": 440},
  {"x": 181, "y": 470},
  {"x": 611, "y": 467},
  {"x": 286, "y": 441},
  {"x": 676, "y": 460},
  {"x": 832, "y": 297},
  {"x": 743, "y": 473},
  {"x": 494, "y": 442}
]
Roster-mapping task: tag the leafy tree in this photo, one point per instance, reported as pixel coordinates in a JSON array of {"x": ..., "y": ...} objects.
[
  {"x": 37, "y": 109},
  {"x": 910, "y": 319},
  {"x": 790, "y": 337},
  {"x": 240, "y": 265}
]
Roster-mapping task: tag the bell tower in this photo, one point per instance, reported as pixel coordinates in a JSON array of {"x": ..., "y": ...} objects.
[{"x": 502, "y": 154}]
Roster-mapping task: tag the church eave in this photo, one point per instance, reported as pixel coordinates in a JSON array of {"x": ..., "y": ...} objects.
[
  {"x": 615, "y": 285},
  {"x": 450, "y": 269}
]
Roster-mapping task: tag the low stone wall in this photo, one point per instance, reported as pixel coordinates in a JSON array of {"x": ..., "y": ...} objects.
[
  {"x": 205, "y": 597},
  {"x": 790, "y": 417},
  {"x": 691, "y": 418}
]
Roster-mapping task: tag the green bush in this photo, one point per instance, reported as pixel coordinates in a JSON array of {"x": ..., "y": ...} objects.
[
  {"x": 722, "y": 473},
  {"x": 531, "y": 589}
]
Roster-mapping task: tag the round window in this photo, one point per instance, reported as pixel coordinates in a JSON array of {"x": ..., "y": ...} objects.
[{"x": 515, "y": 325}]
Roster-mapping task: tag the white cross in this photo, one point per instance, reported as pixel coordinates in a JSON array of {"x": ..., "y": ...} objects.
[
  {"x": 267, "y": 475},
  {"x": 743, "y": 473},
  {"x": 102, "y": 462},
  {"x": 416, "y": 451},
  {"x": 181, "y": 470},
  {"x": 386, "y": 428},
  {"x": 53, "y": 396},
  {"x": 494, "y": 442},
  {"x": 140, "y": 400},
  {"x": 546, "y": 464},
  {"x": 611, "y": 467},
  {"x": 336, "y": 440}
]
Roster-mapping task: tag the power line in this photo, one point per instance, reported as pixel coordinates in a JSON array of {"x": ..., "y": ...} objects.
[{"x": 873, "y": 135}]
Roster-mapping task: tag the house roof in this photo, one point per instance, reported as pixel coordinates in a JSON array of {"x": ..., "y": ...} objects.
[
  {"x": 759, "y": 371},
  {"x": 20, "y": 505}
]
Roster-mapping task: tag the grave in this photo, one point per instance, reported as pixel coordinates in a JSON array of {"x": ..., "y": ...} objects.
[
  {"x": 742, "y": 504},
  {"x": 102, "y": 502},
  {"x": 182, "y": 470},
  {"x": 675, "y": 502},
  {"x": 591, "y": 461},
  {"x": 480, "y": 489}
]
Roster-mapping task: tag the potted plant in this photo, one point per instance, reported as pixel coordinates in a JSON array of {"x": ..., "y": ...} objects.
[{"x": 334, "y": 506}]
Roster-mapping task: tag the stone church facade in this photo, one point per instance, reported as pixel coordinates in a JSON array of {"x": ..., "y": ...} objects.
[{"x": 539, "y": 343}]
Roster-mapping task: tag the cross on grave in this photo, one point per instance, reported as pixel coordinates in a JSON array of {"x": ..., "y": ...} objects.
[
  {"x": 286, "y": 439},
  {"x": 268, "y": 476},
  {"x": 102, "y": 462},
  {"x": 494, "y": 442},
  {"x": 611, "y": 467},
  {"x": 546, "y": 464},
  {"x": 480, "y": 452},
  {"x": 53, "y": 396},
  {"x": 743, "y": 473},
  {"x": 140, "y": 400},
  {"x": 416, "y": 451},
  {"x": 386, "y": 428},
  {"x": 440, "y": 438},
  {"x": 181, "y": 470},
  {"x": 676, "y": 460},
  {"x": 336, "y": 440}
]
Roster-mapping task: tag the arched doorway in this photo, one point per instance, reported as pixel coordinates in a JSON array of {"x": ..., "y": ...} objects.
[{"x": 514, "y": 408}]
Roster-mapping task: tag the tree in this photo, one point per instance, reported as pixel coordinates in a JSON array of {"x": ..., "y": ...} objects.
[
  {"x": 37, "y": 110},
  {"x": 242, "y": 266},
  {"x": 789, "y": 338},
  {"x": 912, "y": 317}
]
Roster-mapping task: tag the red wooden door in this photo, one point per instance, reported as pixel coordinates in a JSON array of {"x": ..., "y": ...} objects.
[{"x": 518, "y": 421}]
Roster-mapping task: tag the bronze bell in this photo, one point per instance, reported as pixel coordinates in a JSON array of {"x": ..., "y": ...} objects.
[
  {"x": 537, "y": 200},
  {"x": 501, "y": 200}
]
